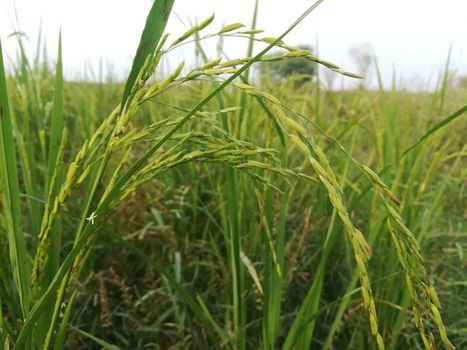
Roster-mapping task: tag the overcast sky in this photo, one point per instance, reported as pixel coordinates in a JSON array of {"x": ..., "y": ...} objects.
[{"x": 412, "y": 36}]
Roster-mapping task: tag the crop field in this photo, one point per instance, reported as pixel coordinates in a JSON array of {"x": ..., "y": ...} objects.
[{"x": 221, "y": 207}]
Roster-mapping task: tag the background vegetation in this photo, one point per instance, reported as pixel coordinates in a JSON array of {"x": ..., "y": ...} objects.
[{"x": 198, "y": 211}]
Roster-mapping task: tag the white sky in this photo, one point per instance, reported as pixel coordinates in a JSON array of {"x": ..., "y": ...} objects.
[{"x": 411, "y": 35}]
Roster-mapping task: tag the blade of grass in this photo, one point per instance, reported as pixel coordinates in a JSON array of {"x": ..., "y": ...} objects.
[
  {"x": 60, "y": 338},
  {"x": 235, "y": 253},
  {"x": 233, "y": 243},
  {"x": 154, "y": 28},
  {"x": 56, "y": 127},
  {"x": 101, "y": 342},
  {"x": 273, "y": 282},
  {"x": 30, "y": 155},
  {"x": 251, "y": 42},
  {"x": 436, "y": 127},
  {"x": 18, "y": 254},
  {"x": 54, "y": 171},
  {"x": 444, "y": 84},
  {"x": 301, "y": 332}
]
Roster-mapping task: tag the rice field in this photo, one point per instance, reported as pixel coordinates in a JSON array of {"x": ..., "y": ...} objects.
[{"x": 208, "y": 207}]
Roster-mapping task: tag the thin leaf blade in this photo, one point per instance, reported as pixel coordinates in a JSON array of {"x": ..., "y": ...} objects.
[
  {"x": 10, "y": 185},
  {"x": 155, "y": 25}
]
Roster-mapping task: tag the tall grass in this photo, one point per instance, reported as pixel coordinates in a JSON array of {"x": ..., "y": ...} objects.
[{"x": 206, "y": 212}]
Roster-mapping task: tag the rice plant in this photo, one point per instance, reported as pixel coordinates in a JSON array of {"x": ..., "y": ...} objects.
[{"x": 205, "y": 210}]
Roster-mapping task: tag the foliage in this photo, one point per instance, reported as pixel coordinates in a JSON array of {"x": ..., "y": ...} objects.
[
  {"x": 300, "y": 69},
  {"x": 201, "y": 211}
]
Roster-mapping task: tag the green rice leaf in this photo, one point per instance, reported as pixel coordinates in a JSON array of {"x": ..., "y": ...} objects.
[
  {"x": 155, "y": 25},
  {"x": 57, "y": 116},
  {"x": 436, "y": 127},
  {"x": 10, "y": 186},
  {"x": 99, "y": 341}
]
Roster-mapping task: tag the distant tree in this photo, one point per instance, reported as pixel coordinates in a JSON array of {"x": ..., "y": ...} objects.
[
  {"x": 362, "y": 56},
  {"x": 300, "y": 69}
]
